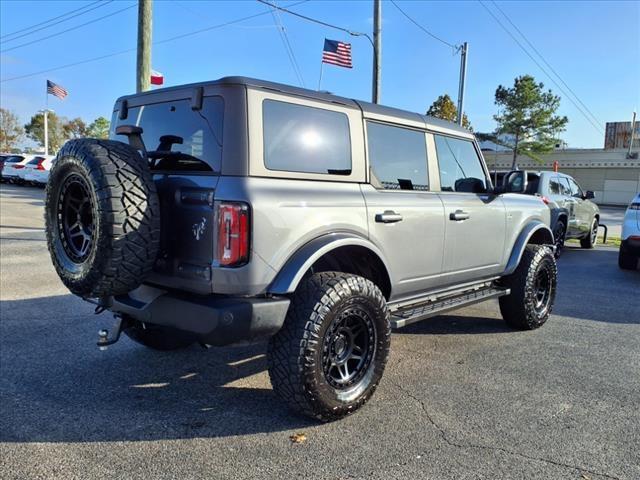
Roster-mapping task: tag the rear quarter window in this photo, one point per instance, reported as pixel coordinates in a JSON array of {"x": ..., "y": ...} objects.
[{"x": 304, "y": 139}]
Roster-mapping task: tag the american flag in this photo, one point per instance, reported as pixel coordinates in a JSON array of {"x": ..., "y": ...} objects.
[
  {"x": 337, "y": 53},
  {"x": 56, "y": 90}
]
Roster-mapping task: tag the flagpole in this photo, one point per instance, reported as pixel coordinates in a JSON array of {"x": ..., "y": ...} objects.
[
  {"x": 320, "y": 79},
  {"x": 46, "y": 122}
]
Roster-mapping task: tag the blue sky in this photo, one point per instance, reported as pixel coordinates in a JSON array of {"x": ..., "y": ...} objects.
[{"x": 594, "y": 46}]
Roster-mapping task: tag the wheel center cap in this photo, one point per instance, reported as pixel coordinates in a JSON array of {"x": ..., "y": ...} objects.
[{"x": 339, "y": 345}]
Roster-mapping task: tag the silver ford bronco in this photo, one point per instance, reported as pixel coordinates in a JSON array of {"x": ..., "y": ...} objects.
[{"x": 239, "y": 209}]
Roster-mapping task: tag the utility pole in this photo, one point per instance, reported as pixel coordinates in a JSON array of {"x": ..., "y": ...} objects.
[
  {"x": 377, "y": 50},
  {"x": 143, "y": 64},
  {"x": 46, "y": 131},
  {"x": 463, "y": 77}
]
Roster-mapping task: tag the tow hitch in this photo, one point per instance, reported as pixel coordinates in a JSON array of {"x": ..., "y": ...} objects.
[{"x": 106, "y": 337}]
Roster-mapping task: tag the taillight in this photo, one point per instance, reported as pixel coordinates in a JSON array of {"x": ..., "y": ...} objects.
[
  {"x": 40, "y": 166},
  {"x": 545, "y": 200},
  {"x": 18, "y": 167},
  {"x": 232, "y": 249}
]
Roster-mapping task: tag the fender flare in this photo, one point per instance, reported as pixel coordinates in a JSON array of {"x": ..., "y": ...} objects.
[
  {"x": 535, "y": 227},
  {"x": 298, "y": 264}
]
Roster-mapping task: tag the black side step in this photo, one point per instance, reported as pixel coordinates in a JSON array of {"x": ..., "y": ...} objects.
[{"x": 416, "y": 312}]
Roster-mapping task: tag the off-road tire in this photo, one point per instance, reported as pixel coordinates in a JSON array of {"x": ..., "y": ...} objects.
[
  {"x": 590, "y": 240},
  {"x": 626, "y": 261},
  {"x": 521, "y": 309},
  {"x": 296, "y": 353},
  {"x": 121, "y": 207},
  {"x": 559, "y": 233},
  {"x": 158, "y": 337}
]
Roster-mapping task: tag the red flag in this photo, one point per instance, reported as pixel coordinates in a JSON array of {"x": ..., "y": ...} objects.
[{"x": 157, "y": 78}]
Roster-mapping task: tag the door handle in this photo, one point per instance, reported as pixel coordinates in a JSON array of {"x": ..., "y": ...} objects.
[
  {"x": 389, "y": 216},
  {"x": 459, "y": 215}
]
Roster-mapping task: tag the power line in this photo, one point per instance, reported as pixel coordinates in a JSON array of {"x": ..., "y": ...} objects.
[
  {"x": 454, "y": 47},
  {"x": 546, "y": 63},
  {"x": 68, "y": 29},
  {"x": 319, "y": 22},
  {"x": 47, "y": 21},
  {"x": 122, "y": 52},
  {"x": 287, "y": 46},
  {"x": 595, "y": 125}
]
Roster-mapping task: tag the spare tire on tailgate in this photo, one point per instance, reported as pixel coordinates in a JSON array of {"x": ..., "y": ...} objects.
[{"x": 102, "y": 217}]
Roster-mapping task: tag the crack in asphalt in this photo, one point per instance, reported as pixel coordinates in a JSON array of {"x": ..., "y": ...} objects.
[{"x": 451, "y": 443}]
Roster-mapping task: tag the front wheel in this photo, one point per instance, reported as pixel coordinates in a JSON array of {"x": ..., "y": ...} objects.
[
  {"x": 590, "y": 240},
  {"x": 626, "y": 261},
  {"x": 330, "y": 354},
  {"x": 533, "y": 289}
]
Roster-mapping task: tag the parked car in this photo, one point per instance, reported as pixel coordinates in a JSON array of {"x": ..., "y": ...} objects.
[
  {"x": 12, "y": 166},
  {"x": 323, "y": 223},
  {"x": 573, "y": 214},
  {"x": 36, "y": 170},
  {"x": 629, "y": 253}
]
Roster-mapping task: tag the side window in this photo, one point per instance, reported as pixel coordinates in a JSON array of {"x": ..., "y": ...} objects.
[
  {"x": 460, "y": 167},
  {"x": 554, "y": 186},
  {"x": 565, "y": 189},
  {"x": 397, "y": 157},
  {"x": 305, "y": 139},
  {"x": 576, "y": 191}
]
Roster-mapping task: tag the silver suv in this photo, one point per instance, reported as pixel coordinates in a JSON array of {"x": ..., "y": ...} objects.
[{"x": 239, "y": 209}]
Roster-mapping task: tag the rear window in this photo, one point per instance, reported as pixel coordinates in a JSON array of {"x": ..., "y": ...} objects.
[
  {"x": 35, "y": 161},
  {"x": 397, "y": 157},
  {"x": 199, "y": 130},
  {"x": 305, "y": 139}
]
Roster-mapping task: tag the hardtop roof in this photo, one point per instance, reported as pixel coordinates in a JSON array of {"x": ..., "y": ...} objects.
[{"x": 366, "y": 107}]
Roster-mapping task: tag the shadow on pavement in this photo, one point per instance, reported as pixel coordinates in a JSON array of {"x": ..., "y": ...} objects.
[
  {"x": 56, "y": 386},
  {"x": 456, "y": 325}
]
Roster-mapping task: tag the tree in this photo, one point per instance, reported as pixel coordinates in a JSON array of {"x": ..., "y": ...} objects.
[
  {"x": 10, "y": 130},
  {"x": 99, "y": 128},
  {"x": 35, "y": 131},
  {"x": 445, "y": 109},
  {"x": 75, "y": 128},
  {"x": 528, "y": 116}
]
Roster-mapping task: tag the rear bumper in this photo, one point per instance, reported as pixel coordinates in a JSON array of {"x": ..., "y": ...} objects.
[{"x": 215, "y": 320}]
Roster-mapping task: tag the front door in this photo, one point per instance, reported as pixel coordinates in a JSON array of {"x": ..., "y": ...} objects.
[
  {"x": 475, "y": 221},
  {"x": 406, "y": 220}
]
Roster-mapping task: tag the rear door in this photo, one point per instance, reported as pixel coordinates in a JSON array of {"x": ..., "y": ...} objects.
[
  {"x": 570, "y": 203},
  {"x": 475, "y": 220},
  {"x": 405, "y": 218}
]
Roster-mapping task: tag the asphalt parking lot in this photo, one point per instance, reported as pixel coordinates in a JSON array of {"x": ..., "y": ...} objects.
[{"x": 463, "y": 397}]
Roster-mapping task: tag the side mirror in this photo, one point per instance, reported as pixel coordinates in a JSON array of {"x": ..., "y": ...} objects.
[
  {"x": 588, "y": 195},
  {"x": 515, "y": 181}
]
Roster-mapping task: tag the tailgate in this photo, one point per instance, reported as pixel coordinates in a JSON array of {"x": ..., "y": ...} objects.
[{"x": 187, "y": 231}]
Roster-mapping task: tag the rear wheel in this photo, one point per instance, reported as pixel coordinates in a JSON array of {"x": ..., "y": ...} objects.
[
  {"x": 157, "y": 337},
  {"x": 533, "y": 289},
  {"x": 559, "y": 233},
  {"x": 330, "y": 354},
  {"x": 590, "y": 240}
]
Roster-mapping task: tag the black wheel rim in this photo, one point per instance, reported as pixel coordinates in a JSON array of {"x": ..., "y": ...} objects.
[
  {"x": 348, "y": 348},
  {"x": 542, "y": 290},
  {"x": 75, "y": 218}
]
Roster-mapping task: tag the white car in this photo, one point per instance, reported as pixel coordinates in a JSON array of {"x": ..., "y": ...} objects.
[
  {"x": 630, "y": 247},
  {"x": 13, "y": 166},
  {"x": 36, "y": 170}
]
